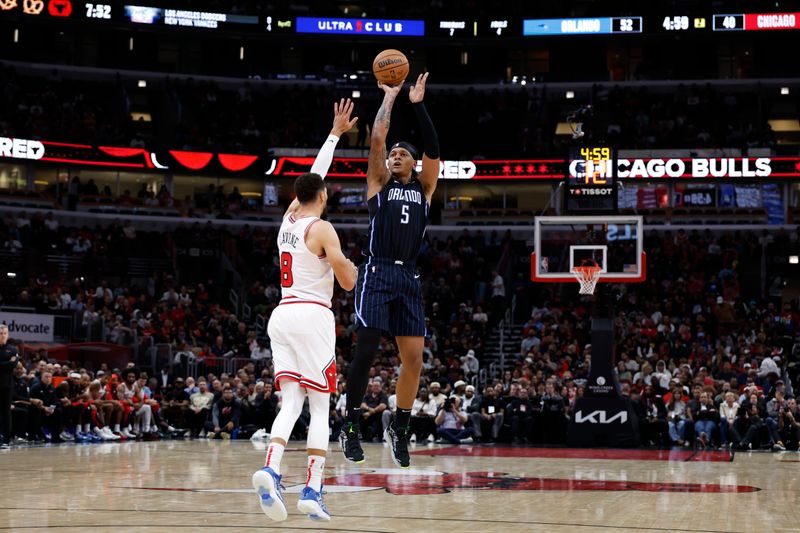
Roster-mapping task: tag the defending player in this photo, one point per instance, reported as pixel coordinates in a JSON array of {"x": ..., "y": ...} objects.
[
  {"x": 388, "y": 293},
  {"x": 302, "y": 330}
]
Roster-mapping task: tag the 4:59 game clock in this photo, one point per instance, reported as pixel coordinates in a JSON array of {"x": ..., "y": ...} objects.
[{"x": 590, "y": 186}]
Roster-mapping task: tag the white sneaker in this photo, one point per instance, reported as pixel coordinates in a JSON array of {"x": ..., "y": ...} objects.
[
  {"x": 171, "y": 429},
  {"x": 430, "y": 438},
  {"x": 128, "y": 434},
  {"x": 108, "y": 433},
  {"x": 203, "y": 434},
  {"x": 99, "y": 432},
  {"x": 413, "y": 438},
  {"x": 267, "y": 485},
  {"x": 468, "y": 440},
  {"x": 260, "y": 435},
  {"x": 66, "y": 436}
]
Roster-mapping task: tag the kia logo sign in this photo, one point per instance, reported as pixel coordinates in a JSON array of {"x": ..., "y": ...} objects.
[
  {"x": 21, "y": 148},
  {"x": 600, "y": 417}
]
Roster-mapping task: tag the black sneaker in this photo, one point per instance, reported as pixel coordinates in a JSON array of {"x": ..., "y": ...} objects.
[
  {"x": 398, "y": 444},
  {"x": 351, "y": 445}
]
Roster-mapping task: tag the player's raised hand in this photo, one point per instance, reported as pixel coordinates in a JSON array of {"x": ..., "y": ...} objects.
[
  {"x": 417, "y": 91},
  {"x": 391, "y": 90},
  {"x": 341, "y": 117}
]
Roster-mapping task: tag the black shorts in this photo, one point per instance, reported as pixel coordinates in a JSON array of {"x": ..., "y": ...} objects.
[{"x": 388, "y": 296}]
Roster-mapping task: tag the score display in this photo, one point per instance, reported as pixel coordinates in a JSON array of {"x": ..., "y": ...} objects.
[
  {"x": 590, "y": 184},
  {"x": 582, "y": 26},
  {"x": 757, "y": 21}
]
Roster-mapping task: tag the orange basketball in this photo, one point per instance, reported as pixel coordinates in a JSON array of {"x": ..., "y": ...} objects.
[{"x": 390, "y": 67}]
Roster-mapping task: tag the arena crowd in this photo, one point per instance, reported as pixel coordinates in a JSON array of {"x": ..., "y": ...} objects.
[{"x": 702, "y": 364}]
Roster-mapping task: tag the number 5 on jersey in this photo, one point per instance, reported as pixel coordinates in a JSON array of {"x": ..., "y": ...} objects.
[
  {"x": 404, "y": 214},
  {"x": 286, "y": 270}
]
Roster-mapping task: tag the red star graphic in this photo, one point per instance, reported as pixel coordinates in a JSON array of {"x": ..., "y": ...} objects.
[
  {"x": 506, "y": 169},
  {"x": 543, "y": 169},
  {"x": 518, "y": 169},
  {"x": 530, "y": 169}
]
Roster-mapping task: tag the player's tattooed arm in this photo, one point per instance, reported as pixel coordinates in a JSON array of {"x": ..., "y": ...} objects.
[{"x": 377, "y": 173}]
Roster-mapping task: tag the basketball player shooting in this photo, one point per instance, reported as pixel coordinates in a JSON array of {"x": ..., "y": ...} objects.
[
  {"x": 302, "y": 330},
  {"x": 388, "y": 293}
]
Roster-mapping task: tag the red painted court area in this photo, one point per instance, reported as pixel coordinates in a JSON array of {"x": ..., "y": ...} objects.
[{"x": 571, "y": 453}]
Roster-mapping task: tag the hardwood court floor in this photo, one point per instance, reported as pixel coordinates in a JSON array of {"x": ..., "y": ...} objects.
[{"x": 189, "y": 485}]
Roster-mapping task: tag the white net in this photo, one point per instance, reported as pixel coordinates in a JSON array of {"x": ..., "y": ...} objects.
[{"x": 587, "y": 276}]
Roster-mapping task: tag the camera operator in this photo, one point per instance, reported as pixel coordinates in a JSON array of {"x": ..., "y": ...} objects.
[{"x": 450, "y": 423}]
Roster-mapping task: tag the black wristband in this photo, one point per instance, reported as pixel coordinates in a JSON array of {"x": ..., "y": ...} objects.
[{"x": 429, "y": 138}]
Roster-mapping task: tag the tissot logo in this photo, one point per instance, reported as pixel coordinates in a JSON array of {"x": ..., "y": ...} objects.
[
  {"x": 600, "y": 417},
  {"x": 21, "y": 148}
]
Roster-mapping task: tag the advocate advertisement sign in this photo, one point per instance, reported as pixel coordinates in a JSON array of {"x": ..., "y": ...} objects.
[
  {"x": 28, "y": 327},
  {"x": 111, "y": 157}
]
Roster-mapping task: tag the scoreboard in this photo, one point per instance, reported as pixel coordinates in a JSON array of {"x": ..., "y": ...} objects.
[
  {"x": 583, "y": 26},
  {"x": 590, "y": 186},
  {"x": 459, "y": 27}
]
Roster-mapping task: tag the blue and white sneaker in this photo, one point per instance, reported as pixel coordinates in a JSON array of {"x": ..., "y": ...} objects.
[
  {"x": 311, "y": 504},
  {"x": 270, "y": 493}
]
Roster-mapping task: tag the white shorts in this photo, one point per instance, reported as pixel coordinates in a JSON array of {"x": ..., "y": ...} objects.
[{"x": 303, "y": 337}]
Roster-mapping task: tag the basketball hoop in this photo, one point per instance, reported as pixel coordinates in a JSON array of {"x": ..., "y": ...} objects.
[{"x": 587, "y": 276}]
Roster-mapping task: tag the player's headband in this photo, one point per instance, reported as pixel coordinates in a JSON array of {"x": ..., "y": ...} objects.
[{"x": 407, "y": 146}]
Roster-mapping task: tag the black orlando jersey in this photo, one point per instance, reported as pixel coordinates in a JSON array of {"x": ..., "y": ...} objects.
[{"x": 398, "y": 215}]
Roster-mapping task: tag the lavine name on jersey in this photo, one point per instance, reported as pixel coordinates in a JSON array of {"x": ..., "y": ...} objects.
[
  {"x": 405, "y": 195},
  {"x": 289, "y": 238}
]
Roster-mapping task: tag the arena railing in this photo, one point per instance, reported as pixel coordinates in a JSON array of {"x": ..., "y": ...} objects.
[
  {"x": 160, "y": 223},
  {"x": 261, "y": 327}
]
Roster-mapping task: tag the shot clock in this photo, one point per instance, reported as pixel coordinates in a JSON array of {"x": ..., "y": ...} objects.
[{"x": 590, "y": 186}]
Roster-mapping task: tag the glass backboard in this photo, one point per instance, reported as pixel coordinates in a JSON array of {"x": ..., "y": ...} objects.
[{"x": 614, "y": 243}]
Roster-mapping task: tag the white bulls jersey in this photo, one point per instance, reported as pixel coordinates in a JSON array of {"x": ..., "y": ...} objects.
[
  {"x": 303, "y": 337},
  {"x": 305, "y": 277}
]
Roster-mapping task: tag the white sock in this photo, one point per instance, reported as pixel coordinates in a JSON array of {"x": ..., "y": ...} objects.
[
  {"x": 116, "y": 428},
  {"x": 87, "y": 428},
  {"x": 316, "y": 466},
  {"x": 274, "y": 456},
  {"x": 77, "y": 429}
]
